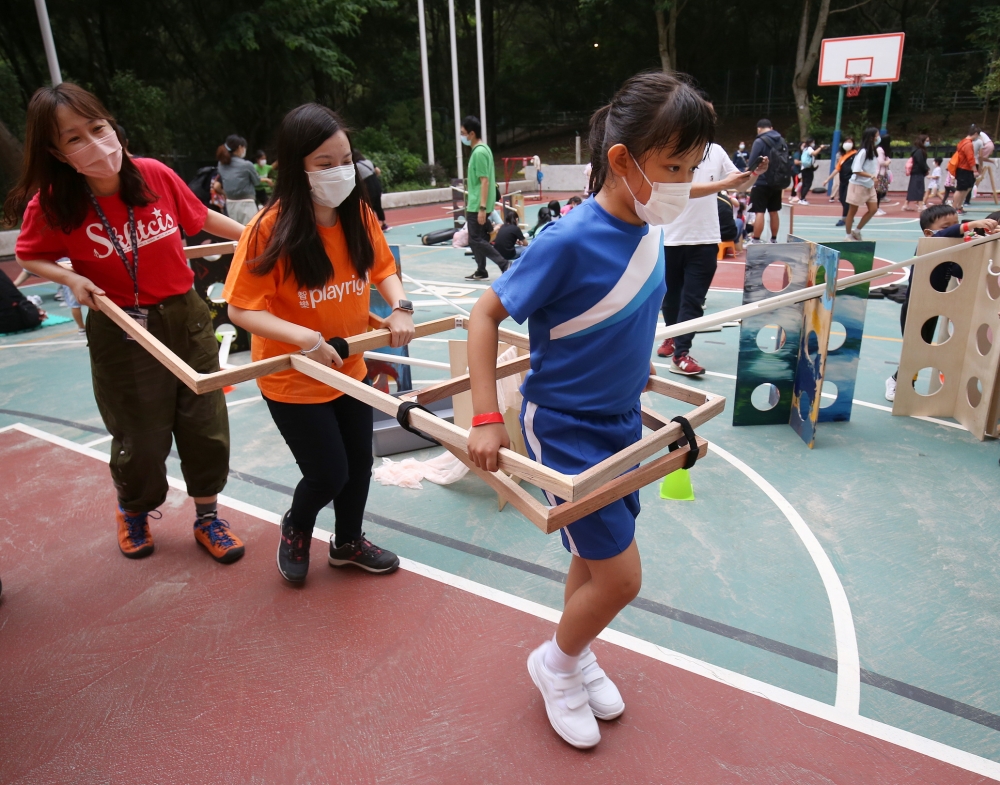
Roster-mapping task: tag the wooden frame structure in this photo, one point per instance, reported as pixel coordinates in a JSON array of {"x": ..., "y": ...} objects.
[{"x": 608, "y": 481}]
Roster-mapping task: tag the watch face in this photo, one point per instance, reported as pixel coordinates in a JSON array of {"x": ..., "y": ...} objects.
[{"x": 406, "y": 305}]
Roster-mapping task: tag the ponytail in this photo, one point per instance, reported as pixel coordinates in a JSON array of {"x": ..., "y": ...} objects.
[
  {"x": 224, "y": 155},
  {"x": 651, "y": 111}
]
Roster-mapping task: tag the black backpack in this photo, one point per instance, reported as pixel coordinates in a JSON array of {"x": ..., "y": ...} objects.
[
  {"x": 201, "y": 183},
  {"x": 779, "y": 163}
]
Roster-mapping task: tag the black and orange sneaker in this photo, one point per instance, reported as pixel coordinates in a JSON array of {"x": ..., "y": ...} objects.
[
  {"x": 293, "y": 551},
  {"x": 361, "y": 553},
  {"x": 134, "y": 539},
  {"x": 214, "y": 536}
]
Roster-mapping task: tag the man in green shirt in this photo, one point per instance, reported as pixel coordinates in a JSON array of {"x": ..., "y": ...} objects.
[{"x": 482, "y": 187}]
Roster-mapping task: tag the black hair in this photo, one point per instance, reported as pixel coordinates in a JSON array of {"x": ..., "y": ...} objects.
[
  {"x": 868, "y": 142},
  {"x": 544, "y": 216},
  {"x": 885, "y": 143},
  {"x": 973, "y": 130},
  {"x": 471, "y": 123},
  {"x": 260, "y": 154},
  {"x": 575, "y": 200},
  {"x": 651, "y": 111},
  {"x": 555, "y": 208},
  {"x": 939, "y": 161},
  {"x": 810, "y": 141},
  {"x": 934, "y": 213},
  {"x": 510, "y": 217},
  {"x": 994, "y": 216},
  {"x": 357, "y": 155},
  {"x": 294, "y": 236},
  {"x": 764, "y": 123},
  {"x": 224, "y": 154}
]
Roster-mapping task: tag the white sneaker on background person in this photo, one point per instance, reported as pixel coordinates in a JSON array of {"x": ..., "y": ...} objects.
[
  {"x": 567, "y": 703},
  {"x": 879, "y": 212},
  {"x": 890, "y": 389},
  {"x": 856, "y": 234},
  {"x": 605, "y": 700}
]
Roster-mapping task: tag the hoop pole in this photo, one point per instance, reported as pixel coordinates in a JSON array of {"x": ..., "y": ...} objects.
[
  {"x": 50, "y": 46},
  {"x": 885, "y": 107},
  {"x": 428, "y": 124},
  {"x": 454, "y": 88},
  {"x": 835, "y": 146}
]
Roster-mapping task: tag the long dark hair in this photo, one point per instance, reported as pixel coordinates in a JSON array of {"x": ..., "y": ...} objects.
[
  {"x": 868, "y": 143},
  {"x": 62, "y": 191},
  {"x": 224, "y": 152},
  {"x": 295, "y": 236},
  {"x": 650, "y": 111}
]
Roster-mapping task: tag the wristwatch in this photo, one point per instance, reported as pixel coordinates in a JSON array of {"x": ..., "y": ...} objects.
[{"x": 404, "y": 305}]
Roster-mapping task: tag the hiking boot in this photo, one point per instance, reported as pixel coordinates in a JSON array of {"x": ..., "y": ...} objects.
[
  {"x": 361, "y": 553},
  {"x": 686, "y": 366},
  {"x": 214, "y": 536},
  {"x": 134, "y": 539},
  {"x": 666, "y": 348},
  {"x": 293, "y": 551},
  {"x": 478, "y": 276}
]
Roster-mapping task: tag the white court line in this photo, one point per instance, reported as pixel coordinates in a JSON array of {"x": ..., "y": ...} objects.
[
  {"x": 879, "y": 730},
  {"x": 241, "y": 401},
  {"x": 42, "y": 343},
  {"x": 99, "y": 440}
]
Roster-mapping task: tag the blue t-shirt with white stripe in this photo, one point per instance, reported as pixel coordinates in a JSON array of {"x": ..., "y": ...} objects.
[{"x": 591, "y": 289}]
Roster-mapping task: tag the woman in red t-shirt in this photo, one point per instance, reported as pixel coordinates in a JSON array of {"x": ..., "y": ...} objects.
[
  {"x": 119, "y": 221},
  {"x": 301, "y": 276}
]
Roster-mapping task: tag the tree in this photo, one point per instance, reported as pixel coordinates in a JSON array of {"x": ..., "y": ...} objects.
[
  {"x": 667, "y": 14},
  {"x": 806, "y": 56},
  {"x": 986, "y": 34}
]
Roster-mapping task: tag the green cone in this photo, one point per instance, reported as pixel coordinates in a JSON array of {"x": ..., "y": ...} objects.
[{"x": 677, "y": 486}]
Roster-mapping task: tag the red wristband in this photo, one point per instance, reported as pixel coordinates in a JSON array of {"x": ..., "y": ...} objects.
[{"x": 486, "y": 419}]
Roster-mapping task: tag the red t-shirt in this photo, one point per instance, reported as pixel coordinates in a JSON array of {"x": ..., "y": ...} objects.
[{"x": 163, "y": 269}]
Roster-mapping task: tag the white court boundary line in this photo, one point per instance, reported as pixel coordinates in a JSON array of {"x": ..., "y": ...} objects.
[{"x": 878, "y": 730}]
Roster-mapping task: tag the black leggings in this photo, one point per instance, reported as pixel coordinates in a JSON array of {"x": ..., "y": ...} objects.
[
  {"x": 332, "y": 444},
  {"x": 689, "y": 273},
  {"x": 807, "y": 183}
]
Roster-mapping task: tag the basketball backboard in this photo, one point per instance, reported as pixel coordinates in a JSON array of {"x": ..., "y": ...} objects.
[{"x": 875, "y": 58}]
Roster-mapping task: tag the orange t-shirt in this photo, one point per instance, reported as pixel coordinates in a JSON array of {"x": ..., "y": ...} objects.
[{"x": 340, "y": 308}]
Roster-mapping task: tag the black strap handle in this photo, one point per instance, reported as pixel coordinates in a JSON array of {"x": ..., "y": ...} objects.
[
  {"x": 403, "y": 418},
  {"x": 341, "y": 347},
  {"x": 692, "y": 456}
]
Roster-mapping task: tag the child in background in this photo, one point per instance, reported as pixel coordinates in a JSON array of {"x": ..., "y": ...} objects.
[
  {"x": 934, "y": 181},
  {"x": 940, "y": 220},
  {"x": 843, "y": 172},
  {"x": 572, "y": 202},
  {"x": 949, "y": 185},
  {"x": 591, "y": 289},
  {"x": 555, "y": 209}
]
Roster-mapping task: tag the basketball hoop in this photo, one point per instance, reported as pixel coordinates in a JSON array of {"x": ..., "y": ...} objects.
[{"x": 854, "y": 88}]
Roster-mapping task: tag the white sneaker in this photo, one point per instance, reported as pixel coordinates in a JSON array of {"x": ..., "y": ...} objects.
[
  {"x": 605, "y": 700},
  {"x": 890, "y": 389},
  {"x": 803, "y": 201},
  {"x": 879, "y": 212},
  {"x": 856, "y": 234},
  {"x": 566, "y": 701}
]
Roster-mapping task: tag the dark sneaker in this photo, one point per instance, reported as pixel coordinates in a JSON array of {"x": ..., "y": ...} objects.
[
  {"x": 214, "y": 536},
  {"x": 293, "y": 552},
  {"x": 666, "y": 348},
  {"x": 477, "y": 276},
  {"x": 134, "y": 539},
  {"x": 686, "y": 366},
  {"x": 363, "y": 554}
]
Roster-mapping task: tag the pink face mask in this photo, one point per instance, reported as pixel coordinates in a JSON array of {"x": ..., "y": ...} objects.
[{"x": 102, "y": 158}]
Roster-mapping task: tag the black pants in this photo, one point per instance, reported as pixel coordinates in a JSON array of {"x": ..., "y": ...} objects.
[
  {"x": 332, "y": 444},
  {"x": 480, "y": 245},
  {"x": 843, "y": 198},
  {"x": 690, "y": 269},
  {"x": 374, "y": 186},
  {"x": 807, "y": 183}
]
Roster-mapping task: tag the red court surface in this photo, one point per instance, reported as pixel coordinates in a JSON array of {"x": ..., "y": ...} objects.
[{"x": 174, "y": 669}]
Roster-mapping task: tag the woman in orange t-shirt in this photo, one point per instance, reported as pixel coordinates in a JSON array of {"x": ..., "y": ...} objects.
[{"x": 300, "y": 276}]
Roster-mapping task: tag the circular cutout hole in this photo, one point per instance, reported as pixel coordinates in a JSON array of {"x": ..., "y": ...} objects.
[
  {"x": 812, "y": 344},
  {"x": 928, "y": 381},
  {"x": 992, "y": 284},
  {"x": 838, "y": 334},
  {"x": 770, "y": 338},
  {"x": 844, "y": 269},
  {"x": 765, "y": 397},
  {"x": 942, "y": 275},
  {"x": 820, "y": 276},
  {"x": 974, "y": 392},
  {"x": 828, "y": 396},
  {"x": 984, "y": 339},
  {"x": 937, "y": 330},
  {"x": 776, "y": 276}
]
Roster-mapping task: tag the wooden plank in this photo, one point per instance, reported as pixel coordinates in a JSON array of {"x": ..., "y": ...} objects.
[
  {"x": 451, "y": 436},
  {"x": 622, "y": 486},
  {"x": 588, "y": 481},
  {"x": 209, "y": 249},
  {"x": 511, "y": 493},
  {"x": 155, "y": 347},
  {"x": 377, "y": 339},
  {"x": 680, "y": 392},
  {"x": 459, "y": 384},
  {"x": 243, "y": 373},
  {"x": 520, "y": 340},
  {"x": 654, "y": 420}
]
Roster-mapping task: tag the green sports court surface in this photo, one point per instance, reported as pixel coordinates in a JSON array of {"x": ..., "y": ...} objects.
[{"x": 862, "y": 573}]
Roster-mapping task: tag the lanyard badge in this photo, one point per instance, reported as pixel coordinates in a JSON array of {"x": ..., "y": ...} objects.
[{"x": 140, "y": 315}]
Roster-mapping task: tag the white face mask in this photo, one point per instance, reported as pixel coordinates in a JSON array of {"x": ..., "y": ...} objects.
[
  {"x": 848, "y": 146},
  {"x": 666, "y": 201},
  {"x": 330, "y": 187},
  {"x": 742, "y": 146}
]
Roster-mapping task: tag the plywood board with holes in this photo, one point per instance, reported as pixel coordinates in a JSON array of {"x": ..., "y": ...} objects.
[
  {"x": 815, "y": 338},
  {"x": 921, "y": 351},
  {"x": 775, "y": 364}
]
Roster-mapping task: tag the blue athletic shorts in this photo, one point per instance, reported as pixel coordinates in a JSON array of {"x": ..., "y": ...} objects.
[{"x": 571, "y": 444}]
